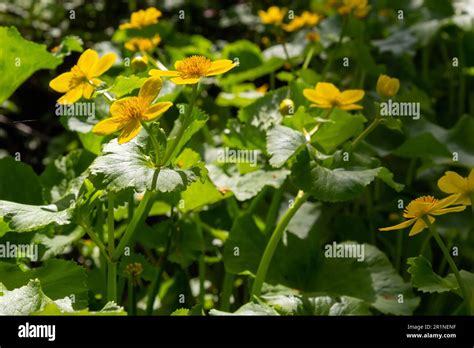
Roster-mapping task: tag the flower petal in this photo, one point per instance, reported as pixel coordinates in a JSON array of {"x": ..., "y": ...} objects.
[
  {"x": 156, "y": 72},
  {"x": 183, "y": 81},
  {"x": 88, "y": 90},
  {"x": 400, "y": 226},
  {"x": 129, "y": 132},
  {"x": 156, "y": 110},
  {"x": 351, "y": 107},
  {"x": 103, "y": 64},
  {"x": 452, "y": 182},
  {"x": 311, "y": 95},
  {"x": 72, "y": 96},
  {"x": 445, "y": 202},
  {"x": 220, "y": 66},
  {"x": 119, "y": 107},
  {"x": 61, "y": 83},
  {"x": 109, "y": 125},
  {"x": 87, "y": 60},
  {"x": 350, "y": 96},
  {"x": 470, "y": 181},
  {"x": 449, "y": 210},
  {"x": 150, "y": 89},
  {"x": 327, "y": 90},
  {"x": 419, "y": 226}
]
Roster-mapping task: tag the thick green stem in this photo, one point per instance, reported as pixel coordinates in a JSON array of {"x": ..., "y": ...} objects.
[
  {"x": 95, "y": 238},
  {"x": 366, "y": 132},
  {"x": 274, "y": 241},
  {"x": 452, "y": 264},
  {"x": 308, "y": 57},
  {"x": 227, "y": 289},
  {"x": 112, "y": 265},
  {"x": 175, "y": 142},
  {"x": 154, "y": 142},
  {"x": 273, "y": 211}
]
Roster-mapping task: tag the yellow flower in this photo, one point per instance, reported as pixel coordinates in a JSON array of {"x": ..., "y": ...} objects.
[
  {"x": 359, "y": 8},
  {"x": 191, "y": 69},
  {"x": 457, "y": 185},
  {"x": 128, "y": 113},
  {"x": 326, "y": 95},
  {"x": 387, "y": 86},
  {"x": 80, "y": 81},
  {"x": 426, "y": 206},
  {"x": 313, "y": 36},
  {"x": 273, "y": 15},
  {"x": 142, "y": 43},
  {"x": 306, "y": 19},
  {"x": 142, "y": 18}
]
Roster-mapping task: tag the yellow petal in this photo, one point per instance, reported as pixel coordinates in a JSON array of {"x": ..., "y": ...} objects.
[
  {"x": 119, "y": 107},
  {"x": 61, "y": 83},
  {"x": 220, "y": 66},
  {"x": 109, "y": 125},
  {"x": 187, "y": 81},
  {"x": 470, "y": 181},
  {"x": 400, "y": 226},
  {"x": 350, "y": 96},
  {"x": 87, "y": 60},
  {"x": 419, "y": 226},
  {"x": 156, "y": 110},
  {"x": 452, "y": 182},
  {"x": 150, "y": 89},
  {"x": 351, "y": 107},
  {"x": 322, "y": 106},
  {"x": 88, "y": 90},
  {"x": 445, "y": 202},
  {"x": 129, "y": 132},
  {"x": 311, "y": 95},
  {"x": 327, "y": 90},
  {"x": 103, "y": 64},
  {"x": 449, "y": 210},
  {"x": 72, "y": 96},
  {"x": 156, "y": 72}
]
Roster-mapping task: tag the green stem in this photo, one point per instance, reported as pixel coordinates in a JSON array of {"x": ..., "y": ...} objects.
[
  {"x": 95, "y": 238},
  {"x": 154, "y": 141},
  {"x": 227, "y": 289},
  {"x": 175, "y": 142},
  {"x": 138, "y": 217},
  {"x": 288, "y": 58},
  {"x": 112, "y": 265},
  {"x": 366, "y": 132},
  {"x": 274, "y": 241},
  {"x": 132, "y": 303},
  {"x": 450, "y": 260},
  {"x": 315, "y": 128},
  {"x": 308, "y": 57},
  {"x": 273, "y": 211},
  {"x": 202, "y": 279}
]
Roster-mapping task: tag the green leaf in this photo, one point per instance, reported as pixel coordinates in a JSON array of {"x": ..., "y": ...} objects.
[
  {"x": 186, "y": 244},
  {"x": 20, "y": 58},
  {"x": 57, "y": 244},
  {"x": 128, "y": 165},
  {"x": 336, "y": 185},
  {"x": 58, "y": 279},
  {"x": 248, "y": 53},
  {"x": 124, "y": 85},
  {"x": 25, "y": 218},
  {"x": 247, "y": 185},
  {"x": 69, "y": 44},
  {"x": 424, "y": 279},
  {"x": 250, "y": 308},
  {"x": 343, "y": 127},
  {"x": 14, "y": 175},
  {"x": 283, "y": 143},
  {"x": 422, "y": 146},
  {"x": 53, "y": 309},
  {"x": 268, "y": 67}
]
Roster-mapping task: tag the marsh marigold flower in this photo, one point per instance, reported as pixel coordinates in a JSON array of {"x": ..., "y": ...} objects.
[
  {"x": 273, "y": 15},
  {"x": 142, "y": 18},
  {"x": 142, "y": 43},
  {"x": 359, "y": 8},
  {"x": 128, "y": 113},
  {"x": 80, "y": 81},
  {"x": 326, "y": 95},
  {"x": 426, "y": 206},
  {"x": 387, "y": 86},
  {"x": 307, "y": 19},
  {"x": 191, "y": 69},
  {"x": 455, "y": 184}
]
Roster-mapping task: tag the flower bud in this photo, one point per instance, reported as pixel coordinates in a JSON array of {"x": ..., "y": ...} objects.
[
  {"x": 287, "y": 107},
  {"x": 387, "y": 86},
  {"x": 139, "y": 63}
]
